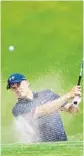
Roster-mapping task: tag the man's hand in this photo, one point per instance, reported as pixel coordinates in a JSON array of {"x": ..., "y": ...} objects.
[
  {"x": 70, "y": 106},
  {"x": 76, "y": 91},
  {"x": 73, "y": 110}
]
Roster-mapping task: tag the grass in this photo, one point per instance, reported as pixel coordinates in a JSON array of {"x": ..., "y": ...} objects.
[{"x": 44, "y": 149}]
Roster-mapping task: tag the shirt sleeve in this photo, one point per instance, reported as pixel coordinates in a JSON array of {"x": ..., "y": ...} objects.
[
  {"x": 51, "y": 95},
  {"x": 54, "y": 96}
]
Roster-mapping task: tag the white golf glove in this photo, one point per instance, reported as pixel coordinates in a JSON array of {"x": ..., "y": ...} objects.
[{"x": 76, "y": 101}]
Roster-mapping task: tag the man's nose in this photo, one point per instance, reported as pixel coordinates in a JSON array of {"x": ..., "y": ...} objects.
[{"x": 18, "y": 89}]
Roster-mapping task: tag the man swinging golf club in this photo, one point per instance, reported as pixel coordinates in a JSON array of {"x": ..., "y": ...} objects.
[{"x": 41, "y": 109}]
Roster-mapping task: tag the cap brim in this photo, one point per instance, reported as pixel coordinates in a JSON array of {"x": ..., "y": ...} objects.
[
  {"x": 16, "y": 81},
  {"x": 8, "y": 86}
]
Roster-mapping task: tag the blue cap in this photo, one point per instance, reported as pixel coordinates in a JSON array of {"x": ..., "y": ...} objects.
[{"x": 15, "y": 78}]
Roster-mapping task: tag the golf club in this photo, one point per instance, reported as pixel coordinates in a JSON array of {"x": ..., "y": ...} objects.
[{"x": 76, "y": 99}]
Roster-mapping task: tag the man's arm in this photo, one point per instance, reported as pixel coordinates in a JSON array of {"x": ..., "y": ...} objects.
[{"x": 53, "y": 106}]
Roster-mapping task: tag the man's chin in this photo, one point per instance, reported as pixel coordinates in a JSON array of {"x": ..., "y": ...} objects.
[{"x": 22, "y": 96}]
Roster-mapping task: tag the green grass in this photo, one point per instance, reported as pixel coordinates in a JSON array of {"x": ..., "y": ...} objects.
[
  {"x": 50, "y": 149},
  {"x": 48, "y": 50}
]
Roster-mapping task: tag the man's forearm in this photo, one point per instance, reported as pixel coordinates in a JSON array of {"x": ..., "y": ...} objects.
[{"x": 51, "y": 107}]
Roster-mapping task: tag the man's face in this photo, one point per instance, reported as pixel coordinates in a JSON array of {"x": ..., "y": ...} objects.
[{"x": 20, "y": 89}]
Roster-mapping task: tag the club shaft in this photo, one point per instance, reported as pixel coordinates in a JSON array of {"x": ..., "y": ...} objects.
[{"x": 79, "y": 80}]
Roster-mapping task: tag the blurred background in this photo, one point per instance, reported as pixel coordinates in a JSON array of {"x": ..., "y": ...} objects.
[{"x": 48, "y": 46}]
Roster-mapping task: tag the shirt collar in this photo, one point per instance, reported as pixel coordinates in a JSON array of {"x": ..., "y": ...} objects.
[{"x": 35, "y": 95}]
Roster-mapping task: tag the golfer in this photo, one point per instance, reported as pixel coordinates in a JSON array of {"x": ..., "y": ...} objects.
[{"x": 41, "y": 109}]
